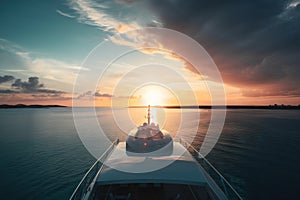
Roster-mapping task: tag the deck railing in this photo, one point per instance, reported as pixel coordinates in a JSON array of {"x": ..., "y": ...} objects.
[
  {"x": 219, "y": 179},
  {"x": 83, "y": 186}
]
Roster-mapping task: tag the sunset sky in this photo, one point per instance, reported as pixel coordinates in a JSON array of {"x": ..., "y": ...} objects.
[{"x": 254, "y": 44}]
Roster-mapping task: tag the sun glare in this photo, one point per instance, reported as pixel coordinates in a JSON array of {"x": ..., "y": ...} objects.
[{"x": 154, "y": 95}]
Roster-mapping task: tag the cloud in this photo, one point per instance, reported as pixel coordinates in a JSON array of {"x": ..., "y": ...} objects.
[
  {"x": 272, "y": 91},
  {"x": 7, "y": 91},
  {"x": 64, "y": 14},
  {"x": 130, "y": 97},
  {"x": 26, "y": 63},
  {"x": 252, "y": 48},
  {"x": 98, "y": 94},
  {"x": 88, "y": 94},
  {"x": 33, "y": 86},
  {"x": 254, "y": 43},
  {"x": 12, "y": 48},
  {"x": 30, "y": 86},
  {"x": 126, "y": 32},
  {"x": 30, "y": 91},
  {"x": 92, "y": 13},
  {"x": 52, "y": 96},
  {"x": 6, "y": 78},
  {"x": 55, "y": 70},
  {"x": 12, "y": 55},
  {"x": 91, "y": 95}
]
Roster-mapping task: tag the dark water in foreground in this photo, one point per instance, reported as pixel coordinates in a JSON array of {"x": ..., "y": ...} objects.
[{"x": 42, "y": 156}]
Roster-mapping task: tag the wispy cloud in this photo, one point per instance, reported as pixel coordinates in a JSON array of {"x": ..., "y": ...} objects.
[
  {"x": 90, "y": 95},
  {"x": 293, "y": 4},
  {"x": 29, "y": 64},
  {"x": 13, "y": 58},
  {"x": 55, "y": 70},
  {"x": 99, "y": 95},
  {"x": 92, "y": 13},
  {"x": 126, "y": 33},
  {"x": 64, "y": 14},
  {"x": 8, "y": 46},
  {"x": 14, "y": 70}
]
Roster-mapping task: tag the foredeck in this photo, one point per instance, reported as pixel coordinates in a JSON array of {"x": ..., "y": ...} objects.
[
  {"x": 177, "y": 168},
  {"x": 185, "y": 174}
]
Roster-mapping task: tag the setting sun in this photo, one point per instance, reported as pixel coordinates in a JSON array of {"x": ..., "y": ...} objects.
[{"x": 154, "y": 95}]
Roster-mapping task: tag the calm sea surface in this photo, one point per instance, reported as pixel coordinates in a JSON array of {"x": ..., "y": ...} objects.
[{"x": 42, "y": 157}]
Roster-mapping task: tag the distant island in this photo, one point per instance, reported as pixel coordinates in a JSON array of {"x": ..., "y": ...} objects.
[
  {"x": 30, "y": 106},
  {"x": 273, "y": 107}
]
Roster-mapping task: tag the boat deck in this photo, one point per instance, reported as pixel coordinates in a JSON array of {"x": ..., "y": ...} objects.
[
  {"x": 181, "y": 177},
  {"x": 179, "y": 167}
]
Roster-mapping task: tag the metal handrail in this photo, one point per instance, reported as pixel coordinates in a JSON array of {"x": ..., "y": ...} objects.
[
  {"x": 222, "y": 178},
  {"x": 77, "y": 194}
]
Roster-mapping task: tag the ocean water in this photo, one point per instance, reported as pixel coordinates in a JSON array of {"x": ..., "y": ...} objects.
[{"x": 42, "y": 156}]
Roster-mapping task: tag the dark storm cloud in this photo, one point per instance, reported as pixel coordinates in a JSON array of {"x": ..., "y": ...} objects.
[
  {"x": 6, "y": 78},
  {"x": 33, "y": 86},
  {"x": 254, "y": 43}
]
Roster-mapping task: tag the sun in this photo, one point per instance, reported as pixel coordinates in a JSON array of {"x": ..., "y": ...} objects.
[{"x": 154, "y": 95}]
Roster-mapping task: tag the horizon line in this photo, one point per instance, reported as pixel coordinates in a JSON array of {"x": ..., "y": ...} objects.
[{"x": 274, "y": 106}]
